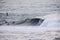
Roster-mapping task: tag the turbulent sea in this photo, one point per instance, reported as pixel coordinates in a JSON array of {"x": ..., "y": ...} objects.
[{"x": 19, "y": 10}]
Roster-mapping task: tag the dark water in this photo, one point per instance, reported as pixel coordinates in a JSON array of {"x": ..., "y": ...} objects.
[{"x": 27, "y": 21}]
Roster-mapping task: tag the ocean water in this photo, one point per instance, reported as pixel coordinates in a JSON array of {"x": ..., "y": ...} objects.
[
  {"x": 37, "y": 7},
  {"x": 29, "y": 33},
  {"x": 22, "y": 9}
]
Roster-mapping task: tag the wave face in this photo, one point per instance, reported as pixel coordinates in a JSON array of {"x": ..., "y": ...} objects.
[
  {"x": 26, "y": 22},
  {"x": 33, "y": 21}
]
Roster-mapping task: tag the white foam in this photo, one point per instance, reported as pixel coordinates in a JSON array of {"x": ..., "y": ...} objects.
[{"x": 51, "y": 20}]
